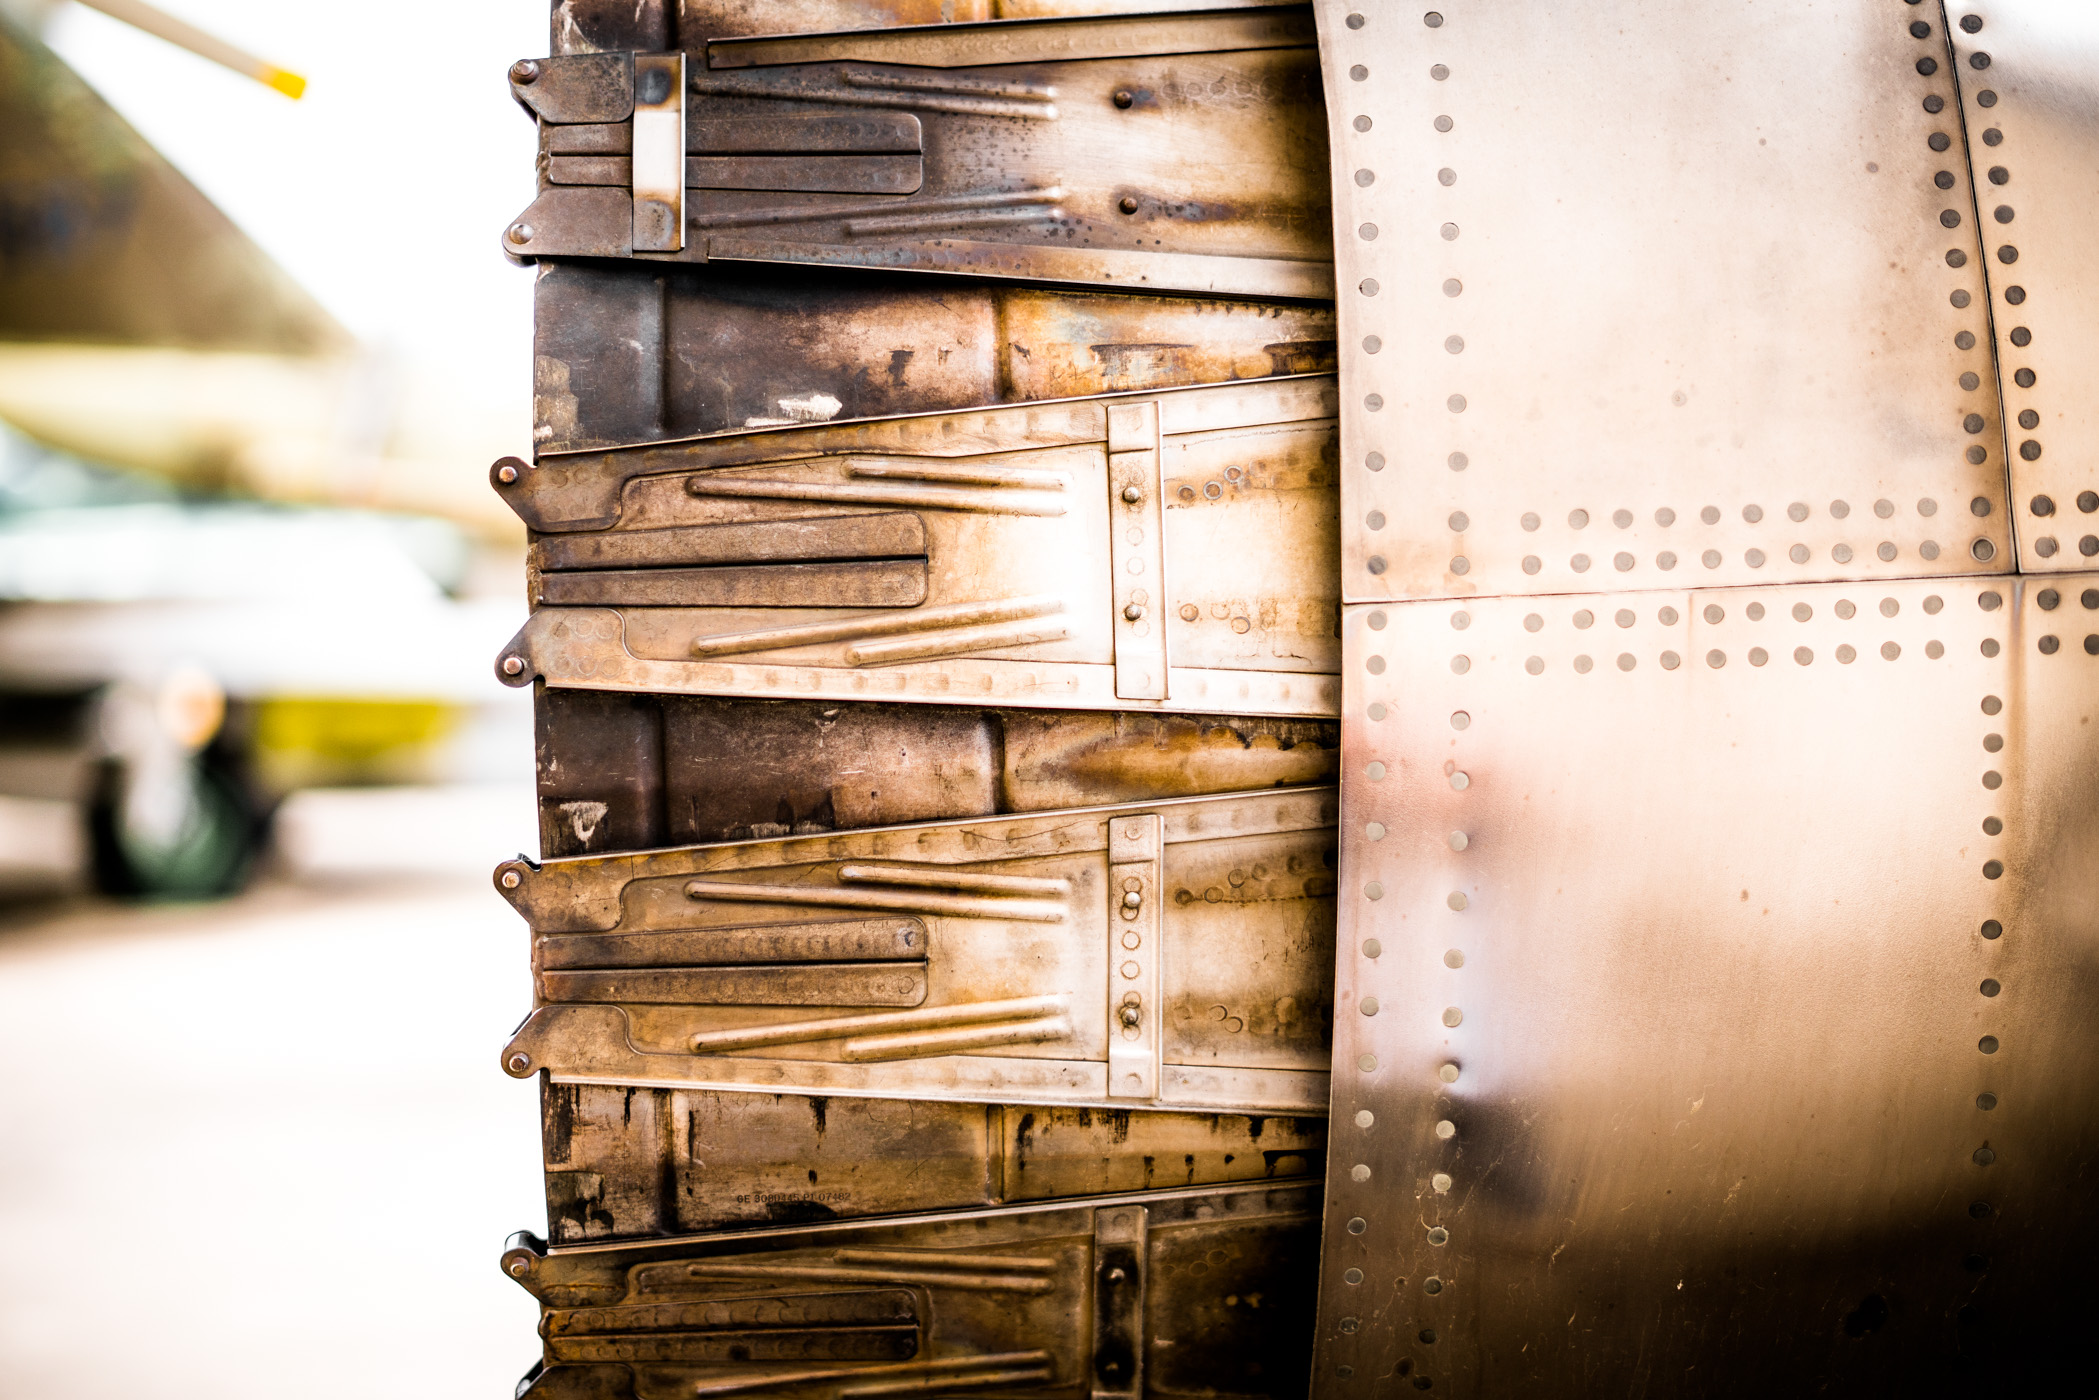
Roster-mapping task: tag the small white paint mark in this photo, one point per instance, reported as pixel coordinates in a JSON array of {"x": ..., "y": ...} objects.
[{"x": 583, "y": 818}]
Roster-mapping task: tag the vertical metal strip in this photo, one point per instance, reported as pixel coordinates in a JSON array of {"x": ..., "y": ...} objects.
[
  {"x": 1139, "y": 561},
  {"x": 659, "y": 152},
  {"x": 1133, "y": 957},
  {"x": 1118, "y": 1301},
  {"x": 1992, "y": 285},
  {"x": 2023, "y": 76}
]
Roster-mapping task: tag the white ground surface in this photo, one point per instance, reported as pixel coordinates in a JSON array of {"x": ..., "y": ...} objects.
[{"x": 263, "y": 1147}]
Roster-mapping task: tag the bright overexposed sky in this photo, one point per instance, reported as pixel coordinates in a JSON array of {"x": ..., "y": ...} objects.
[{"x": 383, "y": 191}]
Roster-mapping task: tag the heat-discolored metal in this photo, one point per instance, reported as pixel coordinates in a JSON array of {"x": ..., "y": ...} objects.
[
  {"x": 1176, "y": 151},
  {"x": 2029, "y": 80},
  {"x": 1168, "y": 1293},
  {"x": 1170, "y": 551},
  {"x": 628, "y": 1163},
  {"x": 1713, "y": 992},
  {"x": 627, "y": 354},
  {"x": 1171, "y": 953},
  {"x": 1650, "y": 295},
  {"x": 620, "y": 772}
]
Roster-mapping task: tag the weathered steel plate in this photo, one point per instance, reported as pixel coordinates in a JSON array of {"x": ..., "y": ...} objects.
[
  {"x": 1713, "y": 1011},
  {"x": 1175, "y": 152},
  {"x": 624, "y": 772},
  {"x": 626, "y": 1163},
  {"x": 2029, "y": 78},
  {"x": 1166, "y": 551},
  {"x": 1646, "y": 295},
  {"x": 1169, "y": 1293},
  {"x": 627, "y": 353},
  {"x": 1172, "y": 953}
]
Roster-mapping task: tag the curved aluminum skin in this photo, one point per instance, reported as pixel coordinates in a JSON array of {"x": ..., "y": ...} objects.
[
  {"x": 1714, "y": 972},
  {"x": 1644, "y": 295}
]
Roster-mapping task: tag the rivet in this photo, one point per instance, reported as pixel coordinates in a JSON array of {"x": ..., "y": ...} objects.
[
  {"x": 506, "y": 474},
  {"x": 1132, "y": 494},
  {"x": 524, "y": 72},
  {"x": 1134, "y": 612},
  {"x": 511, "y": 880},
  {"x": 1124, "y": 98},
  {"x": 1132, "y": 1015},
  {"x": 513, "y": 665},
  {"x": 519, "y": 1063},
  {"x": 1128, "y": 204},
  {"x": 520, "y": 234},
  {"x": 519, "y": 1265},
  {"x": 1132, "y": 899}
]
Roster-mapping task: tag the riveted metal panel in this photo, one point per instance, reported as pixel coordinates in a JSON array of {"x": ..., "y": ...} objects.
[
  {"x": 2029, "y": 78},
  {"x": 1648, "y": 295},
  {"x": 1712, "y": 1006},
  {"x": 1194, "y": 1291},
  {"x": 979, "y": 555},
  {"x": 985, "y": 961}
]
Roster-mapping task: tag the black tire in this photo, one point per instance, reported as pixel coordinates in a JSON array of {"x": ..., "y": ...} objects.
[{"x": 213, "y": 855}]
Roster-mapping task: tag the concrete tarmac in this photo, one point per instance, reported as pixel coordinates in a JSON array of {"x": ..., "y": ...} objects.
[{"x": 262, "y": 1148}]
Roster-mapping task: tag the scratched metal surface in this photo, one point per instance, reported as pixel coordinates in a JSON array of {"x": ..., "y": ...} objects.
[
  {"x": 1169, "y": 551},
  {"x": 1172, "y": 953},
  {"x": 1176, "y": 152},
  {"x": 1646, "y": 295},
  {"x": 627, "y": 1163},
  {"x": 624, "y": 772},
  {"x": 2029, "y": 78},
  {"x": 1168, "y": 1293},
  {"x": 1712, "y": 1012},
  {"x": 633, "y": 354}
]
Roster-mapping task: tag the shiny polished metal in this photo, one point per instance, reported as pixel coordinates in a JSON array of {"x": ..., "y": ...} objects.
[
  {"x": 1165, "y": 1293},
  {"x": 1170, "y": 551},
  {"x": 1175, "y": 152},
  {"x": 626, "y": 1163},
  {"x": 1173, "y": 953},
  {"x": 1638, "y": 294},
  {"x": 2029, "y": 79},
  {"x": 1714, "y": 991}
]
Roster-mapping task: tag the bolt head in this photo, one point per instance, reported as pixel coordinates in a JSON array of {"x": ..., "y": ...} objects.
[
  {"x": 524, "y": 71},
  {"x": 1134, "y": 611},
  {"x": 1133, "y": 494},
  {"x": 513, "y": 665},
  {"x": 511, "y": 880},
  {"x": 518, "y": 1063},
  {"x": 1129, "y": 204},
  {"x": 520, "y": 234}
]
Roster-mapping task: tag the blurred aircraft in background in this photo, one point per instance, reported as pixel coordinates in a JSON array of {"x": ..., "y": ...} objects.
[{"x": 225, "y": 571}]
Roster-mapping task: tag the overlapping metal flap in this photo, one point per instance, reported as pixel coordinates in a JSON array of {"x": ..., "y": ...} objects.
[
  {"x": 1173, "y": 954},
  {"x": 1172, "y": 551},
  {"x": 1083, "y": 149},
  {"x": 1172, "y": 1292},
  {"x": 1705, "y": 1013}
]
